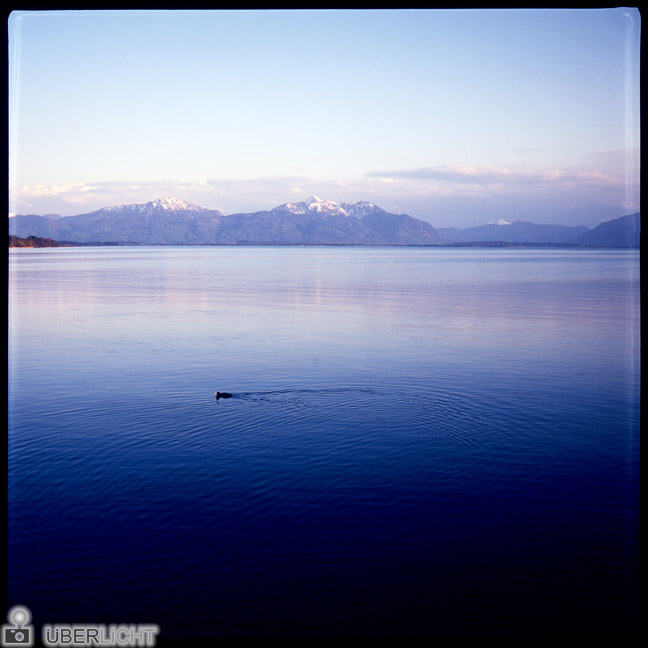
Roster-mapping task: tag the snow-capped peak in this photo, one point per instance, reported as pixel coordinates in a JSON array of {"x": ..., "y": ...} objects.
[
  {"x": 172, "y": 205},
  {"x": 362, "y": 208},
  {"x": 316, "y": 204},
  {"x": 499, "y": 221},
  {"x": 322, "y": 206},
  {"x": 169, "y": 205}
]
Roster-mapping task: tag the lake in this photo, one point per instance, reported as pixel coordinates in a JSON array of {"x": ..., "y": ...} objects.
[{"x": 421, "y": 441}]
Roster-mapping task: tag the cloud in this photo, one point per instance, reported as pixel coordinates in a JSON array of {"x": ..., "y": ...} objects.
[
  {"x": 492, "y": 176},
  {"x": 73, "y": 188},
  {"x": 448, "y": 195},
  {"x": 229, "y": 195}
]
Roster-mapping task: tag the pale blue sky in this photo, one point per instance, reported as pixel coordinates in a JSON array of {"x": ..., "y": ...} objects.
[{"x": 455, "y": 116}]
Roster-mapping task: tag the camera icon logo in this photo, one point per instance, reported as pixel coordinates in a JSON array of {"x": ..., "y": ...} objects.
[{"x": 17, "y": 632}]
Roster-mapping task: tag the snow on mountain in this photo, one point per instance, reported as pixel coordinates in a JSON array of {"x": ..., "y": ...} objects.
[
  {"x": 313, "y": 204},
  {"x": 360, "y": 209},
  {"x": 174, "y": 205},
  {"x": 330, "y": 207},
  {"x": 499, "y": 221},
  {"x": 167, "y": 205}
]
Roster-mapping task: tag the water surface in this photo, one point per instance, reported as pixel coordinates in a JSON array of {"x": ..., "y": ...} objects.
[{"x": 420, "y": 441}]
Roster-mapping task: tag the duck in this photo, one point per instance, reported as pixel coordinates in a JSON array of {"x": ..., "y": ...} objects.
[{"x": 222, "y": 395}]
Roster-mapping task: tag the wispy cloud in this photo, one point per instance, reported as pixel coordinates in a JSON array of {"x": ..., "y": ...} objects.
[
  {"x": 616, "y": 157},
  {"x": 40, "y": 191},
  {"x": 490, "y": 176}
]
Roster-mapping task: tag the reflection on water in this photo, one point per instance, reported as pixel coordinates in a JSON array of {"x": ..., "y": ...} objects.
[{"x": 420, "y": 441}]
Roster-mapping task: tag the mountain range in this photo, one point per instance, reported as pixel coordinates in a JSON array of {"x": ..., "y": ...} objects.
[
  {"x": 517, "y": 232},
  {"x": 620, "y": 232},
  {"x": 172, "y": 221},
  {"x": 169, "y": 221}
]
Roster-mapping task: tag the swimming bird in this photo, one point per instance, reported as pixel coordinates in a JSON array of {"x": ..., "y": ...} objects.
[{"x": 222, "y": 395}]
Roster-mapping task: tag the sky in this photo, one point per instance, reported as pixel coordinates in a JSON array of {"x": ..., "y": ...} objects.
[{"x": 457, "y": 117}]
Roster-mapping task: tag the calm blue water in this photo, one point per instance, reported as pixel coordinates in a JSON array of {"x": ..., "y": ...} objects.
[{"x": 421, "y": 441}]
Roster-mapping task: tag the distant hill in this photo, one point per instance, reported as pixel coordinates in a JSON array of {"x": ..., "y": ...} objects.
[
  {"x": 32, "y": 242},
  {"x": 517, "y": 232},
  {"x": 620, "y": 232},
  {"x": 171, "y": 221},
  {"x": 43, "y": 226},
  {"x": 624, "y": 232}
]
